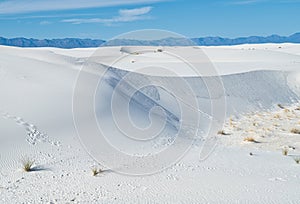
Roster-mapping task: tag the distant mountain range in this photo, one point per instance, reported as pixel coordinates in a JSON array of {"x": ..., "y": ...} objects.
[
  {"x": 60, "y": 43},
  {"x": 206, "y": 41}
]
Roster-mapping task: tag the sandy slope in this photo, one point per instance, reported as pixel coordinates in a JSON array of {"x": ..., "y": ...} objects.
[{"x": 36, "y": 87}]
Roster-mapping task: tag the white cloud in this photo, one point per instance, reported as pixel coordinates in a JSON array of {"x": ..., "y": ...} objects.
[
  {"x": 125, "y": 15},
  {"x": 135, "y": 12},
  {"x": 29, "y": 6}
]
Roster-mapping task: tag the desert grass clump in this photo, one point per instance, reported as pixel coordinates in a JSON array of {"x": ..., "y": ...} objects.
[
  {"x": 285, "y": 151},
  {"x": 96, "y": 171},
  {"x": 222, "y": 132},
  {"x": 27, "y": 164},
  {"x": 295, "y": 131},
  {"x": 277, "y": 116},
  {"x": 250, "y": 139},
  {"x": 297, "y": 160}
]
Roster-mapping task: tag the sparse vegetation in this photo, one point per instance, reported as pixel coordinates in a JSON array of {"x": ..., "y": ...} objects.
[
  {"x": 285, "y": 151},
  {"x": 297, "y": 160},
  {"x": 222, "y": 132},
  {"x": 292, "y": 147},
  {"x": 295, "y": 131},
  {"x": 277, "y": 116},
  {"x": 27, "y": 164},
  {"x": 232, "y": 123},
  {"x": 250, "y": 139},
  {"x": 96, "y": 171}
]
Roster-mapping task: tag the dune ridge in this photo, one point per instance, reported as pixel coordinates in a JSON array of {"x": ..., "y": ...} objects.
[{"x": 36, "y": 89}]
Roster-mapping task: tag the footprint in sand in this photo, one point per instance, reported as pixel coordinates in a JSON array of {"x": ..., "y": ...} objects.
[{"x": 34, "y": 136}]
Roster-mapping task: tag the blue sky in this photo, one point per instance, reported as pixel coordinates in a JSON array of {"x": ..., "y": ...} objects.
[{"x": 104, "y": 19}]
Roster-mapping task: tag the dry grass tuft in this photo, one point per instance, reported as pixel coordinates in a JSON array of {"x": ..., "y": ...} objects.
[
  {"x": 27, "y": 164},
  {"x": 285, "y": 151},
  {"x": 222, "y": 132},
  {"x": 297, "y": 160},
  {"x": 277, "y": 116},
  {"x": 96, "y": 171},
  {"x": 295, "y": 131},
  {"x": 250, "y": 139}
]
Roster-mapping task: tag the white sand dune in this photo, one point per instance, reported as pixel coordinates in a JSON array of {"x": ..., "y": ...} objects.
[{"x": 36, "y": 121}]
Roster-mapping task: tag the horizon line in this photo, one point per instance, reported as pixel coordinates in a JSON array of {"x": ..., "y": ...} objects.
[{"x": 208, "y": 36}]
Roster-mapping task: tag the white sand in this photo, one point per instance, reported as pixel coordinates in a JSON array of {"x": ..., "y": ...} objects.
[{"x": 36, "y": 121}]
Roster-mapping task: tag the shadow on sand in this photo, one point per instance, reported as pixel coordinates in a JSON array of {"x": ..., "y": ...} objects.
[{"x": 39, "y": 168}]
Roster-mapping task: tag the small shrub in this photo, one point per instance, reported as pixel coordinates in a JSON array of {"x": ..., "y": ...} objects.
[
  {"x": 277, "y": 116},
  {"x": 285, "y": 151},
  {"x": 27, "y": 164},
  {"x": 250, "y": 139},
  {"x": 292, "y": 147},
  {"x": 295, "y": 131},
  {"x": 297, "y": 160},
  {"x": 96, "y": 171},
  {"x": 222, "y": 132}
]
